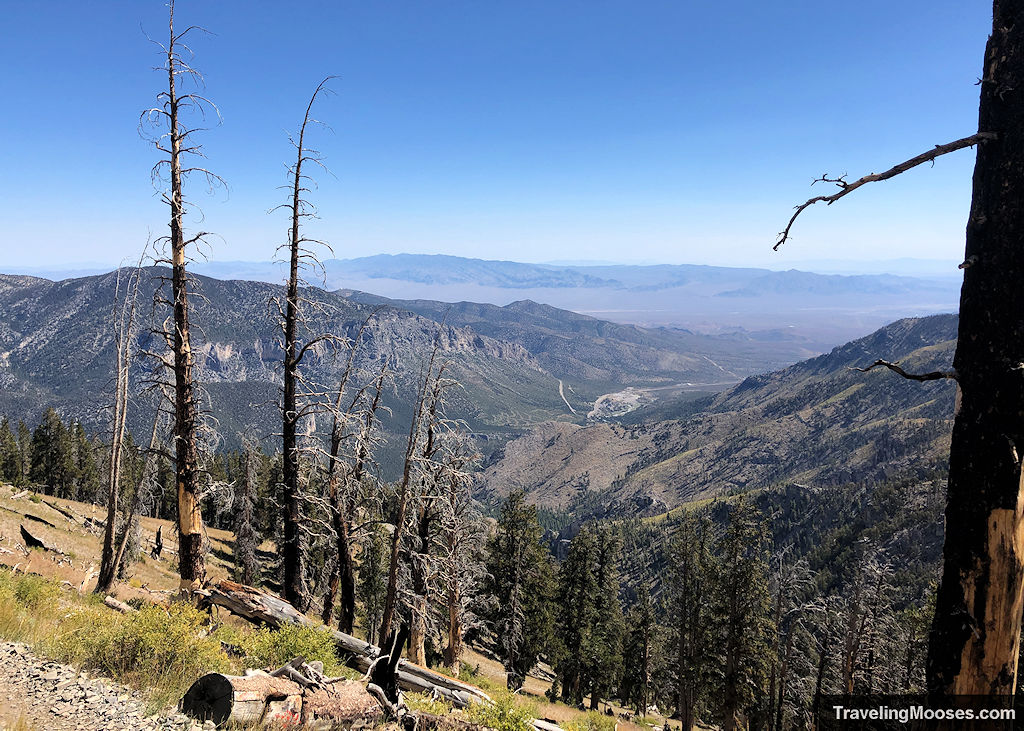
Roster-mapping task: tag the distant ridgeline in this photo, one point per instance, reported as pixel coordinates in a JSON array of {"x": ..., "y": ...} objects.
[{"x": 56, "y": 351}]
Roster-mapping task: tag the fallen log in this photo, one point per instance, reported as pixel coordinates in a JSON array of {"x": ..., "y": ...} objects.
[
  {"x": 119, "y": 606},
  {"x": 32, "y": 541},
  {"x": 261, "y": 607},
  {"x": 71, "y": 516},
  {"x": 296, "y": 694},
  {"x": 246, "y": 699}
]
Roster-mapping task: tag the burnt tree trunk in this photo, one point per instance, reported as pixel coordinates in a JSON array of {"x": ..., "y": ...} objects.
[
  {"x": 191, "y": 562},
  {"x": 973, "y": 645},
  {"x": 293, "y": 588}
]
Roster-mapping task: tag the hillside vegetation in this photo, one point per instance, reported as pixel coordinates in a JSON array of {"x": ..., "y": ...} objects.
[{"x": 817, "y": 422}]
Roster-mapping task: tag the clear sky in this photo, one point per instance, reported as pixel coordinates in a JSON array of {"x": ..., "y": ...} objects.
[{"x": 626, "y": 130}]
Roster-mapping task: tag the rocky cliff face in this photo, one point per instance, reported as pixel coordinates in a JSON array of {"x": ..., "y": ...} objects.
[{"x": 56, "y": 350}]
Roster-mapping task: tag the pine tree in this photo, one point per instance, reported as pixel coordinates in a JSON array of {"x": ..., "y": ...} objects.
[
  {"x": 637, "y": 660},
  {"x": 52, "y": 463},
  {"x": 87, "y": 475},
  {"x": 520, "y": 582},
  {"x": 24, "y": 452},
  {"x": 577, "y": 590},
  {"x": 10, "y": 462},
  {"x": 604, "y": 660},
  {"x": 688, "y": 600},
  {"x": 246, "y": 538},
  {"x": 742, "y": 610}
]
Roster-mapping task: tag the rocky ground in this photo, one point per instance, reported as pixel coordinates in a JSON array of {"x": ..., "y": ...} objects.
[{"x": 43, "y": 695}]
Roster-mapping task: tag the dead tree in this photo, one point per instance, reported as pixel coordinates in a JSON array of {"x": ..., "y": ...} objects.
[
  {"x": 291, "y": 411},
  {"x": 345, "y": 481},
  {"x": 124, "y": 333},
  {"x": 176, "y": 144},
  {"x": 148, "y": 469},
  {"x": 414, "y": 445},
  {"x": 460, "y": 537},
  {"x": 975, "y": 636}
]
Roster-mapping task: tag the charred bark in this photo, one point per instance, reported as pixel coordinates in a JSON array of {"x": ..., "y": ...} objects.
[{"x": 973, "y": 645}]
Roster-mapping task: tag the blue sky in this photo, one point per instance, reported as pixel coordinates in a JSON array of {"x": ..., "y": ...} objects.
[{"x": 636, "y": 130}]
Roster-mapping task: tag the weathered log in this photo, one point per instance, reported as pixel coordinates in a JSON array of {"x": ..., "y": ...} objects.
[
  {"x": 263, "y": 608},
  {"x": 346, "y": 702},
  {"x": 247, "y": 699},
  {"x": 119, "y": 606}
]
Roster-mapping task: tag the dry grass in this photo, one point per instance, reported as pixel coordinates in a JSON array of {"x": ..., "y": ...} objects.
[
  {"x": 82, "y": 548},
  {"x": 156, "y": 582}
]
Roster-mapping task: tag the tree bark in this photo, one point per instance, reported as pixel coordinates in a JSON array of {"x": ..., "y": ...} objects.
[
  {"x": 291, "y": 550},
  {"x": 191, "y": 561},
  {"x": 973, "y": 644}
]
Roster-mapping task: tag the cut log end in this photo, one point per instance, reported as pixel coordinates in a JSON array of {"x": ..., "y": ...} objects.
[{"x": 209, "y": 699}]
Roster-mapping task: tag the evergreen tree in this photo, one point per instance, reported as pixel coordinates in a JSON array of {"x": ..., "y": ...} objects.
[
  {"x": 688, "y": 604},
  {"x": 52, "y": 462},
  {"x": 246, "y": 538},
  {"x": 604, "y": 660},
  {"x": 87, "y": 475},
  {"x": 521, "y": 583},
  {"x": 742, "y": 612},
  {"x": 577, "y": 590},
  {"x": 24, "y": 452},
  {"x": 10, "y": 462},
  {"x": 637, "y": 661}
]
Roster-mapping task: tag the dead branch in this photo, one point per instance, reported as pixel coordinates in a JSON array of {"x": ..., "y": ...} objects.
[
  {"x": 933, "y": 376},
  {"x": 846, "y": 188}
]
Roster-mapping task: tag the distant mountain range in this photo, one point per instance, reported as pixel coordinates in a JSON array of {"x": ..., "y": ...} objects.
[
  {"x": 520, "y": 365},
  {"x": 824, "y": 310},
  {"x": 816, "y": 422},
  {"x": 820, "y": 310}
]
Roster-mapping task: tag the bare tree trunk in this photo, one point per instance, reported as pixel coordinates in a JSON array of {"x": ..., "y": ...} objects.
[
  {"x": 420, "y": 587},
  {"x": 819, "y": 682},
  {"x": 123, "y": 333},
  {"x": 453, "y": 651},
  {"x": 294, "y": 588},
  {"x": 411, "y": 449},
  {"x": 343, "y": 507},
  {"x": 191, "y": 560},
  {"x": 780, "y": 700},
  {"x": 975, "y": 636}
]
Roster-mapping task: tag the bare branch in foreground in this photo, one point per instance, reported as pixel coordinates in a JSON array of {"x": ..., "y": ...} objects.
[
  {"x": 933, "y": 376},
  {"x": 845, "y": 188}
]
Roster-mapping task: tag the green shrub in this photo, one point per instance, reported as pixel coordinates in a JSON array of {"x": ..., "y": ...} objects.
[
  {"x": 505, "y": 714},
  {"x": 273, "y": 648},
  {"x": 33, "y": 591},
  {"x": 163, "y": 649},
  {"x": 591, "y": 721}
]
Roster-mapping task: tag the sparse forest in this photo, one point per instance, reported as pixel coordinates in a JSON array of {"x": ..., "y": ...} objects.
[{"x": 510, "y": 516}]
